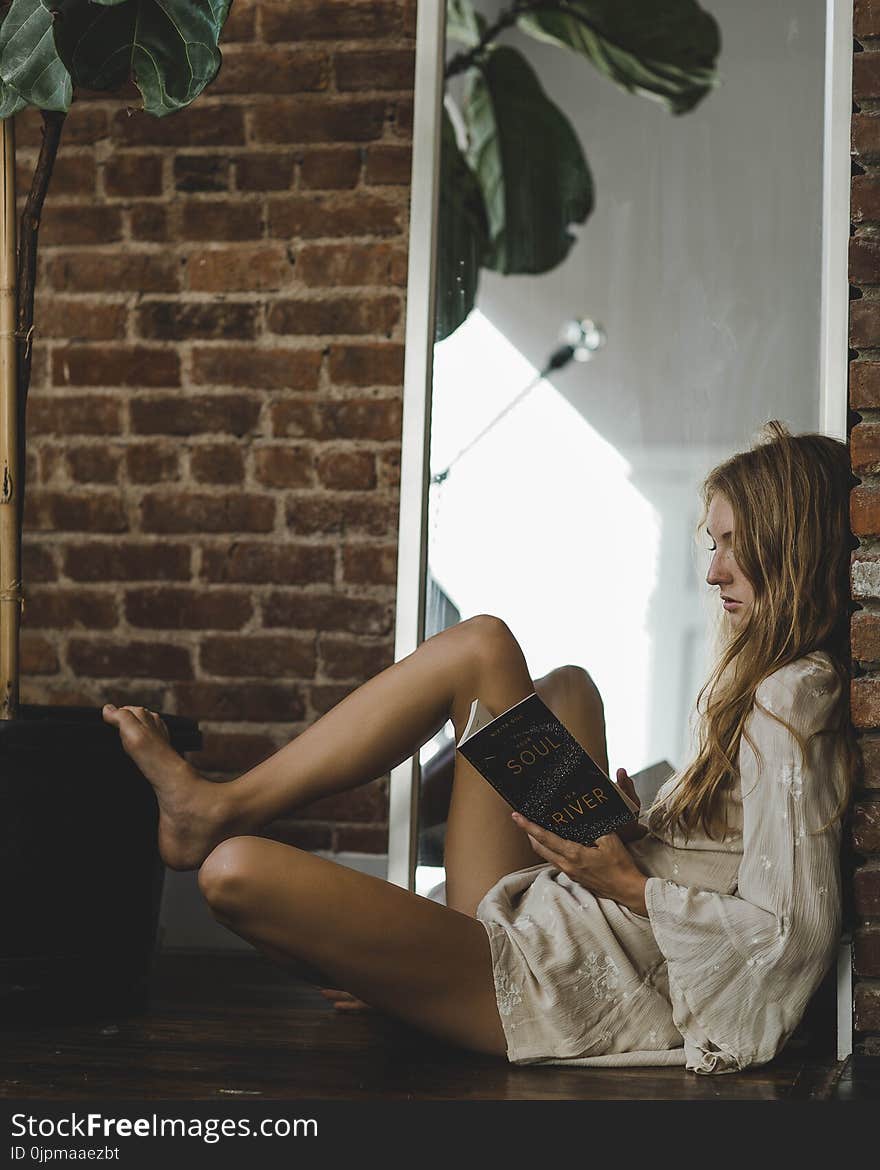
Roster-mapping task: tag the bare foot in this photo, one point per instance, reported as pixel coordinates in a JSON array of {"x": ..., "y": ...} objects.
[
  {"x": 344, "y": 1001},
  {"x": 192, "y": 818}
]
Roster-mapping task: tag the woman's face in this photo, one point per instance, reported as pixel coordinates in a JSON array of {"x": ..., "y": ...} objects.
[{"x": 723, "y": 570}]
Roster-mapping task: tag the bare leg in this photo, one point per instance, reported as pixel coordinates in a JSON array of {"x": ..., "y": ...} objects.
[
  {"x": 423, "y": 963},
  {"x": 369, "y": 732}
]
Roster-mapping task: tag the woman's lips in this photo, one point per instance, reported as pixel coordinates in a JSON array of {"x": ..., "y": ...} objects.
[{"x": 730, "y": 604}]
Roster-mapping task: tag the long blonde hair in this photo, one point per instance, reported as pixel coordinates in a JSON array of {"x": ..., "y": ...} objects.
[{"x": 790, "y": 500}]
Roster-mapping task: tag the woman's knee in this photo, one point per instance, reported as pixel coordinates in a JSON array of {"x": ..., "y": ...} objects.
[
  {"x": 491, "y": 639},
  {"x": 570, "y": 683},
  {"x": 226, "y": 876}
]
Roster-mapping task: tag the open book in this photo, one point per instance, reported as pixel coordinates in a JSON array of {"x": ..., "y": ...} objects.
[{"x": 541, "y": 770}]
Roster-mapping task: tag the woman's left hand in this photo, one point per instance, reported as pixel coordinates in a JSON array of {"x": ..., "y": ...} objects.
[{"x": 606, "y": 870}]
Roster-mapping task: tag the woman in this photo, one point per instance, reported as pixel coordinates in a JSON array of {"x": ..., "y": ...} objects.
[{"x": 698, "y": 944}]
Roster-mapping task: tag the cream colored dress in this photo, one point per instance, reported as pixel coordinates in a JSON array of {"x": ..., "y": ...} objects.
[{"x": 739, "y": 933}]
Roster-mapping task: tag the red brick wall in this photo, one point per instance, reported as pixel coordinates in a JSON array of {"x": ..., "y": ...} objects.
[
  {"x": 864, "y": 398},
  {"x": 214, "y": 420}
]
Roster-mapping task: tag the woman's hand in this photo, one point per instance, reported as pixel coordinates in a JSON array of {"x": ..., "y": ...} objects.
[{"x": 606, "y": 869}]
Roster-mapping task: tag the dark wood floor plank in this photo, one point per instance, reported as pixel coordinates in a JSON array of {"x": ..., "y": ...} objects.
[{"x": 238, "y": 1026}]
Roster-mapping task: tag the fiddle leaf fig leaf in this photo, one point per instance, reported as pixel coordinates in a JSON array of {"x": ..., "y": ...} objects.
[
  {"x": 665, "y": 51},
  {"x": 463, "y": 23},
  {"x": 169, "y": 48},
  {"x": 31, "y": 71},
  {"x": 529, "y": 163},
  {"x": 461, "y": 235}
]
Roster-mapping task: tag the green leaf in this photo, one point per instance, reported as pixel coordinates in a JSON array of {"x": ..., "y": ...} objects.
[
  {"x": 529, "y": 163},
  {"x": 666, "y": 50},
  {"x": 461, "y": 236},
  {"x": 169, "y": 48},
  {"x": 463, "y": 23},
  {"x": 31, "y": 72}
]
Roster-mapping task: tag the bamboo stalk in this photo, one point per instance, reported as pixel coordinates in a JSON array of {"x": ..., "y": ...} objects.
[{"x": 11, "y": 593}]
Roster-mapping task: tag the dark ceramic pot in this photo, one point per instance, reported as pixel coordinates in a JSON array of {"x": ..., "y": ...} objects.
[{"x": 80, "y": 873}]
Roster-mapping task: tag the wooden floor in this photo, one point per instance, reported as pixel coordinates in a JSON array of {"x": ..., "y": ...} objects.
[{"x": 236, "y": 1026}]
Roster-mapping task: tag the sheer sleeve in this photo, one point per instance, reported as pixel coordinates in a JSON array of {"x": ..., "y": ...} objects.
[{"x": 743, "y": 966}]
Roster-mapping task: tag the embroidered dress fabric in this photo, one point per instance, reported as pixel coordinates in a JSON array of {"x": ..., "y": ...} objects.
[{"x": 739, "y": 932}]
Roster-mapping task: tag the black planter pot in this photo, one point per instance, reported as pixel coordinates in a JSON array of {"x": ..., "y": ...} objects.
[{"x": 80, "y": 873}]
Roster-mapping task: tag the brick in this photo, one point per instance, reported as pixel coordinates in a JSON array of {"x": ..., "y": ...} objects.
[
  {"x": 143, "y": 272},
  {"x": 49, "y": 464},
  {"x": 866, "y": 951},
  {"x": 38, "y": 655},
  {"x": 375, "y": 69},
  {"x": 388, "y": 466},
  {"x": 869, "y": 747},
  {"x": 151, "y": 463},
  {"x": 347, "y": 470},
  {"x": 333, "y": 168},
  {"x": 314, "y": 20},
  {"x": 264, "y": 171},
  {"x": 267, "y": 68},
  {"x": 864, "y": 510},
  {"x": 94, "y": 464},
  {"x": 79, "y": 320},
  {"x": 217, "y": 463},
  {"x": 865, "y": 575},
  {"x": 864, "y": 324},
  {"x": 345, "y": 264},
  {"x": 367, "y": 802},
  {"x": 120, "y": 365},
  {"x": 366, "y": 365},
  {"x": 79, "y": 414},
  {"x": 297, "y": 609},
  {"x": 301, "y": 836},
  {"x": 202, "y": 172},
  {"x": 400, "y": 118},
  {"x": 240, "y": 23},
  {"x": 98, "y": 659},
  {"x": 324, "y": 696},
  {"x": 66, "y": 512},
  {"x": 260, "y": 368},
  {"x": 307, "y": 515},
  {"x": 865, "y": 448},
  {"x": 65, "y": 608},
  {"x": 320, "y": 119},
  {"x": 339, "y": 314},
  {"x": 224, "y": 751},
  {"x": 259, "y": 656},
  {"x": 202, "y": 124},
  {"x": 866, "y": 826},
  {"x": 864, "y": 260},
  {"x": 866, "y": 889},
  {"x": 388, "y": 164},
  {"x": 350, "y": 418},
  {"x": 169, "y": 608},
  {"x": 127, "y": 561},
  {"x": 284, "y": 467},
  {"x": 864, "y": 385},
  {"x": 193, "y": 512},
  {"x": 865, "y": 702},
  {"x": 865, "y": 635},
  {"x": 84, "y": 125},
  {"x": 866, "y": 18},
  {"x": 175, "y": 321},
  {"x": 360, "y": 839},
  {"x": 127, "y": 175},
  {"x": 221, "y": 220},
  {"x": 149, "y": 222},
  {"x": 353, "y": 658},
  {"x": 254, "y": 562},
  {"x": 280, "y": 702},
  {"x": 310, "y": 216},
  {"x": 866, "y": 1004},
  {"x": 238, "y": 269},
  {"x": 38, "y": 562},
  {"x": 864, "y": 199},
  {"x": 73, "y": 174},
  {"x": 232, "y": 414},
  {"x": 66, "y": 223},
  {"x": 366, "y": 564}
]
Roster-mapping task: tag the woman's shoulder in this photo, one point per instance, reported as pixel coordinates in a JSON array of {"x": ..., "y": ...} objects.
[{"x": 806, "y": 684}]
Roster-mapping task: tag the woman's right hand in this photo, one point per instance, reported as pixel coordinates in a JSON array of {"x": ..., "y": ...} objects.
[
  {"x": 628, "y": 787},
  {"x": 633, "y": 831}
]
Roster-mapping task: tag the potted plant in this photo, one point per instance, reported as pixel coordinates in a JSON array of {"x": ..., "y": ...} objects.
[{"x": 79, "y": 859}]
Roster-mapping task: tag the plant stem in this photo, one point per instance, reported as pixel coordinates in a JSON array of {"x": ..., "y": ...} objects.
[
  {"x": 53, "y": 123},
  {"x": 468, "y": 57}
]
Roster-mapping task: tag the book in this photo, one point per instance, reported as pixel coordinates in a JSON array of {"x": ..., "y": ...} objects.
[{"x": 533, "y": 761}]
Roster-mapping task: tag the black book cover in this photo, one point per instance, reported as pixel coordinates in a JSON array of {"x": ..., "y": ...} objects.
[{"x": 540, "y": 769}]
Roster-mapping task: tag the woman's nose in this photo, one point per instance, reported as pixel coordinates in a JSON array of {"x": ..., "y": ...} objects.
[{"x": 716, "y": 576}]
